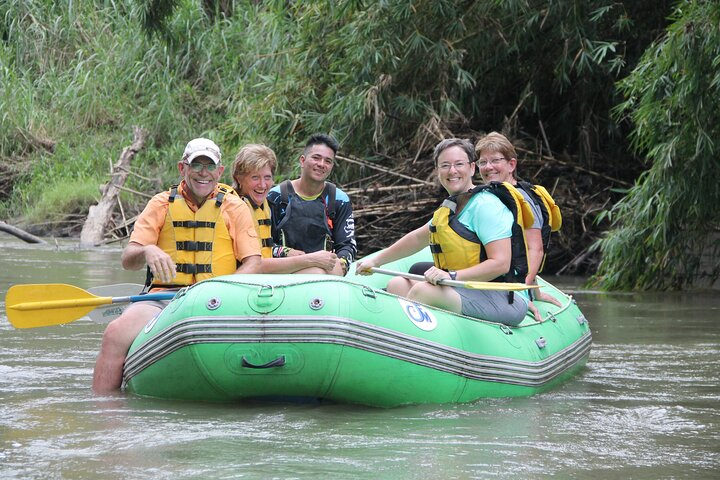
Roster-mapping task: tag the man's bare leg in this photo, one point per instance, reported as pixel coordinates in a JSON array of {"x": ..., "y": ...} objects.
[{"x": 116, "y": 342}]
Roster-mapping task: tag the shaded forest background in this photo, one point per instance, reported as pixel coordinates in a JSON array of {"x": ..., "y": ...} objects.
[{"x": 615, "y": 108}]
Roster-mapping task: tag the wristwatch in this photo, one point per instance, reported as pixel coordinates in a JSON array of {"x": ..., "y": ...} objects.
[{"x": 453, "y": 274}]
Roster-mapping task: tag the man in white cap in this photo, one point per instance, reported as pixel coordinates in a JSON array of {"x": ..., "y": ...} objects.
[{"x": 193, "y": 231}]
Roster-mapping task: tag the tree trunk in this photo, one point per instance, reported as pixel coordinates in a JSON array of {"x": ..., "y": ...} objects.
[
  {"x": 21, "y": 234},
  {"x": 99, "y": 215}
]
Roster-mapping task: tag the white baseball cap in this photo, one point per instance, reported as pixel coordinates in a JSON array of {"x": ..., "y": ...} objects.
[{"x": 201, "y": 147}]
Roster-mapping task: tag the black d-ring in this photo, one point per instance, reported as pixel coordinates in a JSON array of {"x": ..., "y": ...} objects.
[{"x": 278, "y": 362}]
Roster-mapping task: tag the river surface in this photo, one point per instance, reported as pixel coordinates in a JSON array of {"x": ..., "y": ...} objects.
[{"x": 647, "y": 406}]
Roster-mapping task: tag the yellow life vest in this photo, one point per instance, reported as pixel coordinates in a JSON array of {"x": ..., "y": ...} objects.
[
  {"x": 554, "y": 215},
  {"x": 455, "y": 247},
  {"x": 552, "y": 219},
  {"x": 551, "y": 212},
  {"x": 261, "y": 215},
  {"x": 198, "y": 242}
]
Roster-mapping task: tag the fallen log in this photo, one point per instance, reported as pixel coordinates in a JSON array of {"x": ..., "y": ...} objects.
[
  {"x": 99, "y": 215},
  {"x": 21, "y": 234}
]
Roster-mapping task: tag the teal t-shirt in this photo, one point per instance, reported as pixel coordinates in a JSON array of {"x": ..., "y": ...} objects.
[{"x": 489, "y": 219}]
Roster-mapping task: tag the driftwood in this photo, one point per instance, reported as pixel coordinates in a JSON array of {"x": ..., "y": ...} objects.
[
  {"x": 357, "y": 161},
  {"x": 99, "y": 215},
  {"x": 21, "y": 234}
]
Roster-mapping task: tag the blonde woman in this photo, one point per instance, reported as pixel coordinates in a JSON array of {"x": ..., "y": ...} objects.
[{"x": 252, "y": 173}]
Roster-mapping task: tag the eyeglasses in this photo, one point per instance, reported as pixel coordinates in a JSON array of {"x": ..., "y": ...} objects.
[
  {"x": 447, "y": 166},
  {"x": 197, "y": 167},
  {"x": 493, "y": 161}
]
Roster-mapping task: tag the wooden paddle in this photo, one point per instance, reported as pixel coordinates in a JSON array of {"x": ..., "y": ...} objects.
[
  {"x": 42, "y": 305},
  {"x": 108, "y": 313},
  {"x": 457, "y": 283}
]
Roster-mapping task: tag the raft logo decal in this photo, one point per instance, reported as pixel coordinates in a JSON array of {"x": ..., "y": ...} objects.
[{"x": 420, "y": 315}]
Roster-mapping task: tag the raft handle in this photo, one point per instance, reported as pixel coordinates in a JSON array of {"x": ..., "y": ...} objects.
[
  {"x": 266, "y": 287},
  {"x": 368, "y": 292},
  {"x": 278, "y": 362},
  {"x": 541, "y": 342},
  {"x": 506, "y": 330}
]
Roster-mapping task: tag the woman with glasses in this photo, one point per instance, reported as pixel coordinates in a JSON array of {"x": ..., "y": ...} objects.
[
  {"x": 473, "y": 236},
  {"x": 194, "y": 231},
  {"x": 497, "y": 162}
]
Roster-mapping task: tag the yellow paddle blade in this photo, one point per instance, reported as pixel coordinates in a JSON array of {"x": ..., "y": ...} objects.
[{"x": 42, "y": 305}]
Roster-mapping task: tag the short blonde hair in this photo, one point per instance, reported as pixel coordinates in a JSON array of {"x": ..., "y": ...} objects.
[
  {"x": 496, "y": 142},
  {"x": 250, "y": 158}
]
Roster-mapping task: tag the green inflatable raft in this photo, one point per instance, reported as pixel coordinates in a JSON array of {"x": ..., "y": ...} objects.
[{"x": 320, "y": 337}]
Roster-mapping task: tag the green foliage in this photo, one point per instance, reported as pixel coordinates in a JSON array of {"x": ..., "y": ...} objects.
[
  {"x": 72, "y": 196},
  {"x": 387, "y": 77},
  {"x": 76, "y": 77},
  {"x": 671, "y": 217},
  {"x": 154, "y": 14}
]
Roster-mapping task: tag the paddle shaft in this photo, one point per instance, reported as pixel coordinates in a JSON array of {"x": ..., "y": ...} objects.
[
  {"x": 107, "y": 313},
  {"x": 457, "y": 283}
]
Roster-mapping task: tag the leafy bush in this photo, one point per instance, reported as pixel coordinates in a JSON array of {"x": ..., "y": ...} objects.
[{"x": 670, "y": 219}]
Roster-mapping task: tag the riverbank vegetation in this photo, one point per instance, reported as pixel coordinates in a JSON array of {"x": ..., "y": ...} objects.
[
  {"x": 388, "y": 78},
  {"x": 665, "y": 231}
]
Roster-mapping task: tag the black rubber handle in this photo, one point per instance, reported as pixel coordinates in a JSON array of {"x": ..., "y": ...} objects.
[{"x": 278, "y": 362}]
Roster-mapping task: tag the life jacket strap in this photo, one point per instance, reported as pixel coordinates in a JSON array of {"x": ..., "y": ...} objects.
[
  {"x": 194, "y": 224},
  {"x": 219, "y": 197},
  {"x": 329, "y": 243},
  {"x": 173, "y": 193},
  {"x": 193, "y": 246},
  {"x": 194, "y": 269}
]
